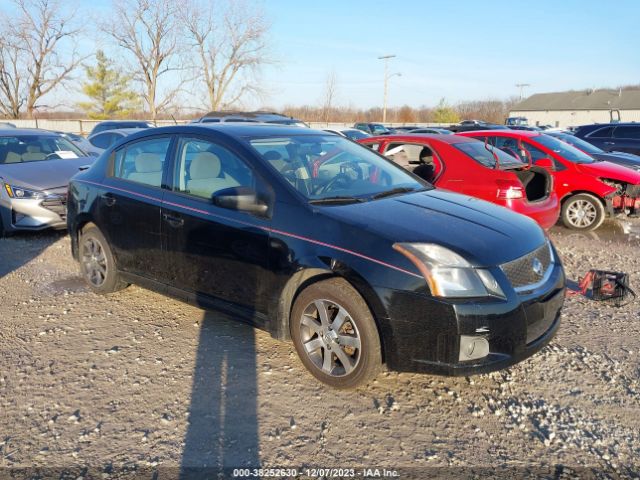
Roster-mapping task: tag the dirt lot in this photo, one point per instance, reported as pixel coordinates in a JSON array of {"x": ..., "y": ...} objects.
[{"x": 139, "y": 382}]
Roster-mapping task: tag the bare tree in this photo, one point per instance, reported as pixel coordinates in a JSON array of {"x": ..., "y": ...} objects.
[
  {"x": 148, "y": 29},
  {"x": 231, "y": 44},
  {"x": 37, "y": 54},
  {"x": 328, "y": 95}
]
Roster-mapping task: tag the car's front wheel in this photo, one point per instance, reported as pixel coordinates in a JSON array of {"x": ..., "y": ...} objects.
[
  {"x": 582, "y": 212},
  {"x": 97, "y": 263},
  {"x": 335, "y": 334}
]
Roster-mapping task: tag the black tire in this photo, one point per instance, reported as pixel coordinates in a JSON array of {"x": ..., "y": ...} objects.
[
  {"x": 332, "y": 360},
  {"x": 3, "y": 232},
  {"x": 583, "y": 212},
  {"x": 95, "y": 257}
]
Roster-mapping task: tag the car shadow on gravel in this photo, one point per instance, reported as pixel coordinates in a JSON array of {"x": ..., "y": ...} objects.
[
  {"x": 21, "y": 248},
  {"x": 223, "y": 425}
]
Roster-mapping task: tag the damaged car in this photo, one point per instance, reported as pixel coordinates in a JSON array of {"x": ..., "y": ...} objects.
[
  {"x": 589, "y": 190},
  {"x": 466, "y": 166}
]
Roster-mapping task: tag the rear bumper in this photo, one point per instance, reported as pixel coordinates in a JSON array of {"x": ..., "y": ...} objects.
[
  {"x": 545, "y": 213},
  {"x": 422, "y": 334}
]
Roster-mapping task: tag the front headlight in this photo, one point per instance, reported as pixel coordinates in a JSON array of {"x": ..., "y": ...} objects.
[
  {"x": 19, "y": 192},
  {"x": 447, "y": 273}
]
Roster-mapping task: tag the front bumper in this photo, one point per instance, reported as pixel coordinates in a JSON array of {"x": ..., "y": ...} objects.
[
  {"x": 422, "y": 334},
  {"x": 33, "y": 214}
]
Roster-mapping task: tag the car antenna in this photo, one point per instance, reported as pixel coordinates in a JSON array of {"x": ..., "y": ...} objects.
[
  {"x": 493, "y": 152},
  {"x": 174, "y": 119}
]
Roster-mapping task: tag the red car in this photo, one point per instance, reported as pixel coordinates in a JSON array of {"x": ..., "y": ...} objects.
[
  {"x": 588, "y": 189},
  {"x": 470, "y": 167}
]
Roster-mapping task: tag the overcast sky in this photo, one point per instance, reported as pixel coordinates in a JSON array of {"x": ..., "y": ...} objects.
[{"x": 459, "y": 50}]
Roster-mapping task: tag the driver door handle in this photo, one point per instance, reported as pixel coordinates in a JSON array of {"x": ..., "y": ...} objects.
[
  {"x": 175, "y": 222},
  {"x": 109, "y": 199}
]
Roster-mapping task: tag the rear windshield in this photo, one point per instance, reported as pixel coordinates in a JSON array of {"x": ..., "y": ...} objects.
[
  {"x": 566, "y": 151},
  {"x": 484, "y": 154},
  {"x": 36, "y": 148}
]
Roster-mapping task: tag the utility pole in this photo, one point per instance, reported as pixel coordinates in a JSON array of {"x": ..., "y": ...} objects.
[
  {"x": 386, "y": 83},
  {"x": 522, "y": 86}
]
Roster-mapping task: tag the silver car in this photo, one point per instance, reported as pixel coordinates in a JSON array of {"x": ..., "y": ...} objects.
[{"x": 35, "y": 168}]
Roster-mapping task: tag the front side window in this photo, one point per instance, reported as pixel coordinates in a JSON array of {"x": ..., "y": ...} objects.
[
  {"x": 601, "y": 133},
  {"x": 36, "y": 148},
  {"x": 142, "y": 161},
  {"x": 204, "y": 168},
  {"x": 324, "y": 167}
]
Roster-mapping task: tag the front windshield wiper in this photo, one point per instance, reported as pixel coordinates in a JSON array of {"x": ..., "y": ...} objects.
[
  {"x": 340, "y": 200},
  {"x": 393, "y": 191}
]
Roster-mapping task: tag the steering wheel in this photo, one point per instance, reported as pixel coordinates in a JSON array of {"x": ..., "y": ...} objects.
[{"x": 342, "y": 180}]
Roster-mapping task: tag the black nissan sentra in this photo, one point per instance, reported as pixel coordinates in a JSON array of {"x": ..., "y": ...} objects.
[{"x": 321, "y": 241}]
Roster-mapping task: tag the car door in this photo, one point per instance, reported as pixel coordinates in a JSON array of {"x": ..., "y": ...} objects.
[
  {"x": 602, "y": 138},
  {"x": 217, "y": 252},
  {"x": 626, "y": 138},
  {"x": 129, "y": 210}
]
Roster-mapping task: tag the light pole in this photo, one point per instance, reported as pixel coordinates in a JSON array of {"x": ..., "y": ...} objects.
[
  {"x": 386, "y": 83},
  {"x": 522, "y": 86}
]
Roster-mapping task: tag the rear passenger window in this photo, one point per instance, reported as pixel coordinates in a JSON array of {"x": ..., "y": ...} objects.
[
  {"x": 143, "y": 162},
  {"x": 631, "y": 132},
  {"x": 204, "y": 168}
]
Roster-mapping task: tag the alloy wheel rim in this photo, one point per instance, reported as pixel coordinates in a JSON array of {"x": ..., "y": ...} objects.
[
  {"x": 330, "y": 338},
  {"x": 94, "y": 262},
  {"x": 581, "y": 213}
]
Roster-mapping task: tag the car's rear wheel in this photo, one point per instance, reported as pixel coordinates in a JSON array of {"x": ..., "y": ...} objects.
[
  {"x": 582, "y": 212},
  {"x": 335, "y": 334},
  {"x": 97, "y": 263}
]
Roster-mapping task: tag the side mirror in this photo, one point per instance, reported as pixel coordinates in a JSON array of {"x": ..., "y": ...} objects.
[
  {"x": 544, "y": 163},
  {"x": 244, "y": 199}
]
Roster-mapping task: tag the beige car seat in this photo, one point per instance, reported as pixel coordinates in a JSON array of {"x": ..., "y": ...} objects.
[
  {"x": 148, "y": 169},
  {"x": 34, "y": 153},
  {"x": 206, "y": 176}
]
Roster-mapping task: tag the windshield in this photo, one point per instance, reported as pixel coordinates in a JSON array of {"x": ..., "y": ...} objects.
[
  {"x": 578, "y": 143},
  {"x": 332, "y": 167},
  {"x": 378, "y": 129},
  {"x": 563, "y": 149},
  {"x": 36, "y": 148},
  {"x": 478, "y": 151}
]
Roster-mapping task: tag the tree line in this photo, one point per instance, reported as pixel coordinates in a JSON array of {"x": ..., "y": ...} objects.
[
  {"x": 164, "y": 50},
  {"x": 169, "y": 49}
]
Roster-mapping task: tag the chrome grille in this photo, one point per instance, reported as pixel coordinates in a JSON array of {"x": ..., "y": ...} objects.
[
  {"x": 520, "y": 272},
  {"x": 57, "y": 204}
]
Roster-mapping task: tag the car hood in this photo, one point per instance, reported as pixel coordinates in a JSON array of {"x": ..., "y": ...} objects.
[
  {"x": 619, "y": 158},
  {"x": 482, "y": 232},
  {"x": 610, "y": 170},
  {"x": 44, "y": 175}
]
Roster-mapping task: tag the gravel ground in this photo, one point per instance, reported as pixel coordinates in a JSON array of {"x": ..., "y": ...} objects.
[{"x": 139, "y": 382}]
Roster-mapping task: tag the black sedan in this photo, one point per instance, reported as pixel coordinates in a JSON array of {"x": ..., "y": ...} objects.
[
  {"x": 621, "y": 158},
  {"x": 322, "y": 241}
]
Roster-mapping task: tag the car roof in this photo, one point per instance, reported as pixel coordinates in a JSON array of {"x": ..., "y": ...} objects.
[
  {"x": 233, "y": 130},
  {"x": 13, "y": 132},
  {"x": 504, "y": 133},
  {"x": 412, "y": 137},
  {"x": 126, "y": 131}
]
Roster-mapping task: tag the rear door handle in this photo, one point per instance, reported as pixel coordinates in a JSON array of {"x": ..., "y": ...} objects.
[
  {"x": 175, "y": 222},
  {"x": 609, "y": 143},
  {"x": 109, "y": 199}
]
